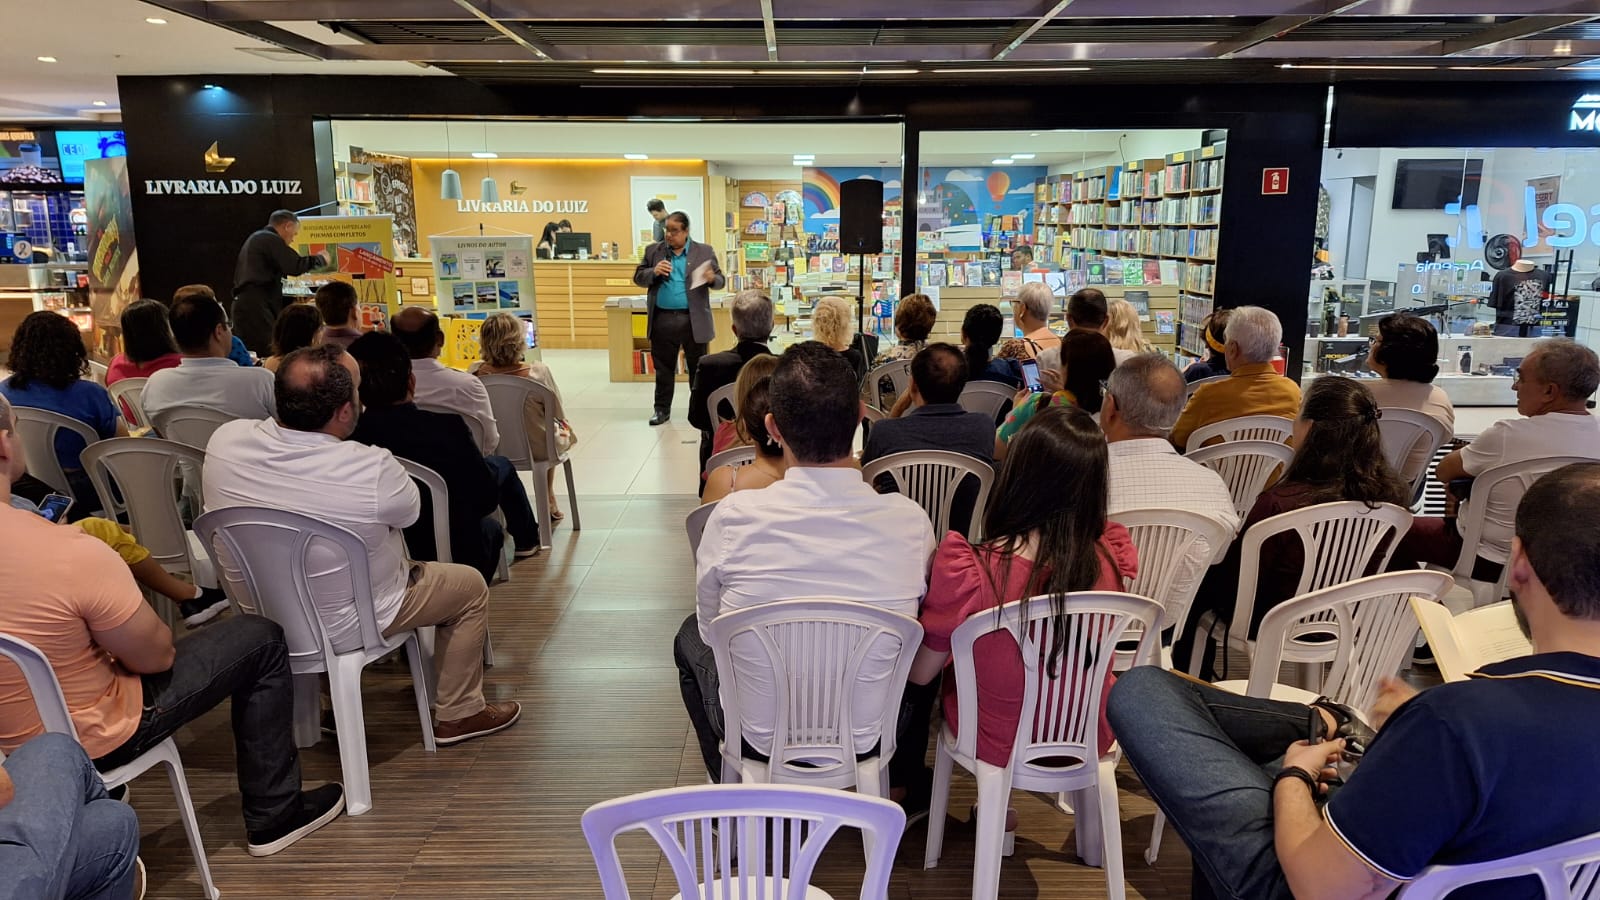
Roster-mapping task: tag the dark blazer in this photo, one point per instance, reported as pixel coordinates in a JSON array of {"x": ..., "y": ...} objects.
[
  {"x": 718, "y": 370},
  {"x": 936, "y": 426},
  {"x": 441, "y": 442},
  {"x": 699, "y": 298},
  {"x": 264, "y": 261}
]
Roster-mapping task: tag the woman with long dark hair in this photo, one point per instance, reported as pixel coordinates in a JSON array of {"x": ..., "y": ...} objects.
[
  {"x": 980, "y": 331},
  {"x": 1338, "y": 456},
  {"x": 147, "y": 343},
  {"x": 1038, "y": 541},
  {"x": 298, "y": 326},
  {"x": 48, "y": 362},
  {"x": 546, "y": 248}
]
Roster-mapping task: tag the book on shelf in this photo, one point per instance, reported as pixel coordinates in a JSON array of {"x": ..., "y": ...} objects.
[
  {"x": 957, "y": 276},
  {"x": 1171, "y": 271},
  {"x": 1097, "y": 273},
  {"x": 1140, "y": 301},
  {"x": 1011, "y": 283},
  {"x": 991, "y": 272},
  {"x": 1471, "y": 640},
  {"x": 1166, "y": 322},
  {"x": 974, "y": 277},
  {"x": 1133, "y": 271},
  {"x": 936, "y": 274},
  {"x": 1152, "y": 271}
]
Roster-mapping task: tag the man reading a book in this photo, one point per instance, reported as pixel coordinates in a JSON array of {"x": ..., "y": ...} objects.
[{"x": 1466, "y": 772}]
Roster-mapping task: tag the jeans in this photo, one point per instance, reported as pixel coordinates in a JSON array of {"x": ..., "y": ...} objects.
[
  {"x": 670, "y": 331},
  {"x": 243, "y": 658},
  {"x": 62, "y": 838},
  {"x": 521, "y": 523},
  {"x": 1208, "y": 757},
  {"x": 697, "y": 681}
]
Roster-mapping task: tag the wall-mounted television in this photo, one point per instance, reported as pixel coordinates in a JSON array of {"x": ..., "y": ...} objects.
[
  {"x": 1432, "y": 183},
  {"x": 77, "y": 146}
]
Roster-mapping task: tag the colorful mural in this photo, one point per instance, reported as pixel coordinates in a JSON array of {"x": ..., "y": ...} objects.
[
  {"x": 821, "y": 192},
  {"x": 965, "y": 195}
]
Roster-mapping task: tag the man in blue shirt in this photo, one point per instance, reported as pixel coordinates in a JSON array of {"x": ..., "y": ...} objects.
[
  {"x": 680, "y": 275},
  {"x": 1466, "y": 772}
]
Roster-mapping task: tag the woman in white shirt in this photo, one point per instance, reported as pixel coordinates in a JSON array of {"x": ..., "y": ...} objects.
[
  {"x": 502, "y": 340},
  {"x": 1404, "y": 353}
]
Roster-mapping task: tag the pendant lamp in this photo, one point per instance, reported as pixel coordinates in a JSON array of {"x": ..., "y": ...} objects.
[
  {"x": 489, "y": 190},
  {"x": 449, "y": 179}
]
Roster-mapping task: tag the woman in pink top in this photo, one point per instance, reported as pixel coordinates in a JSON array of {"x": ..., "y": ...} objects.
[
  {"x": 147, "y": 344},
  {"x": 1039, "y": 541}
]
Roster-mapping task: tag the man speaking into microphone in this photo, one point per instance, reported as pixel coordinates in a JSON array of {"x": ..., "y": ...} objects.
[
  {"x": 266, "y": 258},
  {"x": 680, "y": 275}
]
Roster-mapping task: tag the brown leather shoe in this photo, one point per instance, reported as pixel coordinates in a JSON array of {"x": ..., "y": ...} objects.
[{"x": 493, "y": 717}]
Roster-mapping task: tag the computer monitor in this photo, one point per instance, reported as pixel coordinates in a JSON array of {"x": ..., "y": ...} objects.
[{"x": 568, "y": 243}]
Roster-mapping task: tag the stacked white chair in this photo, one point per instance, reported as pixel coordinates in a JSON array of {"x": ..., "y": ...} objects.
[
  {"x": 1245, "y": 467},
  {"x": 508, "y": 397},
  {"x": 931, "y": 478},
  {"x": 192, "y": 425},
  {"x": 38, "y": 428},
  {"x": 1165, "y": 539},
  {"x": 1242, "y": 428}
]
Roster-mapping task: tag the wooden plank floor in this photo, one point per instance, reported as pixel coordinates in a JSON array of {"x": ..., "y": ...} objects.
[{"x": 582, "y": 636}]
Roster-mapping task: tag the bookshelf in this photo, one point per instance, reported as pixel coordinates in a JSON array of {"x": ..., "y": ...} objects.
[{"x": 352, "y": 183}]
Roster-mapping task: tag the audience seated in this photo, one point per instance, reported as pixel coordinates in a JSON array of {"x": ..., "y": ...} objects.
[
  {"x": 64, "y": 837},
  {"x": 1461, "y": 773},
  {"x": 1214, "y": 330},
  {"x": 1338, "y": 456},
  {"x": 48, "y": 364},
  {"x": 299, "y": 325},
  {"x": 1087, "y": 310},
  {"x": 1253, "y": 387},
  {"x": 127, "y": 685},
  {"x": 753, "y": 394},
  {"x": 820, "y": 532},
  {"x": 207, "y": 377},
  {"x": 833, "y": 322},
  {"x": 980, "y": 331},
  {"x": 914, "y": 317},
  {"x": 1143, "y": 398},
  {"x": 147, "y": 344},
  {"x": 1553, "y": 386},
  {"x": 933, "y": 419},
  {"x": 336, "y": 301},
  {"x": 439, "y": 386},
  {"x": 1030, "y": 313},
  {"x": 751, "y": 312},
  {"x": 1404, "y": 354},
  {"x": 1028, "y": 401},
  {"x": 1085, "y": 361},
  {"x": 1124, "y": 331},
  {"x": 441, "y": 442},
  {"x": 302, "y": 462},
  {"x": 1045, "y": 532},
  {"x": 503, "y": 342},
  {"x": 237, "y": 351}
]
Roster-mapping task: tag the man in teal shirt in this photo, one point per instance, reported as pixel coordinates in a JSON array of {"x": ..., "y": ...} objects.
[{"x": 680, "y": 275}]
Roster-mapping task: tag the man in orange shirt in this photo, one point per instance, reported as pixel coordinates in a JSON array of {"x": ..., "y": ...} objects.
[
  {"x": 1253, "y": 388},
  {"x": 127, "y": 685}
]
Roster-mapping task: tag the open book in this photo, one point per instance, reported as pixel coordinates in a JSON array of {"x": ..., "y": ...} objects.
[{"x": 1465, "y": 643}]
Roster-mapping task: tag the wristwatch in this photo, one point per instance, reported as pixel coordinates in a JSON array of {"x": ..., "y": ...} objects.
[{"x": 1296, "y": 772}]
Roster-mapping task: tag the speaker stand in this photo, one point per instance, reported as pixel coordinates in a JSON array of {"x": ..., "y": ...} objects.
[{"x": 861, "y": 296}]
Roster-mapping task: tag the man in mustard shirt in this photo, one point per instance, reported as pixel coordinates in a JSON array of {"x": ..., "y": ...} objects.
[{"x": 1253, "y": 387}]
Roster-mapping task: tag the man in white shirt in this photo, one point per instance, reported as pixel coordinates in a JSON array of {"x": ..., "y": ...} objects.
[
  {"x": 820, "y": 532},
  {"x": 206, "y": 377},
  {"x": 303, "y": 462},
  {"x": 1553, "y": 387},
  {"x": 440, "y": 387},
  {"x": 1143, "y": 398}
]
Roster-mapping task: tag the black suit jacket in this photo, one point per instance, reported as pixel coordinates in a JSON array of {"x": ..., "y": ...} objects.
[
  {"x": 718, "y": 370},
  {"x": 936, "y": 426},
  {"x": 443, "y": 443}
]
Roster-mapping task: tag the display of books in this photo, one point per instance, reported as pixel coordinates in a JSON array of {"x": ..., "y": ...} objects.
[
  {"x": 1010, "y": 283},
  {"x": 1097, "y": 273},
  {"x": 757, "y": 251},
  {"x": 1140, "y": 301},
  {"x": 1133, "y": 271},
  {"x": 1166, "y": 322},
  {"x": 957, "y": 276},
  {"x": 1152, "y": 271},
  {"x": 755, "y": 198},
  {"x": 974, "y": 276},
  {"x": 991, "y": 272}
]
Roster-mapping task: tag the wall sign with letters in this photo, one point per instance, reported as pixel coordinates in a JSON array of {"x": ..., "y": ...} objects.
[
  {"x": 282, "y": 187},
  {"x": 523, "y": 206}
]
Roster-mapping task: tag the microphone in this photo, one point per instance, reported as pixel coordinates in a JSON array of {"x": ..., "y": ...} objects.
[{"x": 318, "y": 206}]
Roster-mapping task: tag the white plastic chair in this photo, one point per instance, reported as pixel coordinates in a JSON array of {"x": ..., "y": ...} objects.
[
  {"x": 1505, "y": 485},
  {"x": 1057, "y": 732},
  {"x": 439, "y": 500},
  {"x": 1168, "y": 541},
  {"x": 508, "y": 397},
  {"x": 767, "y": 822},
  {"x": 148, "y": 472},
  {"x": 474, "y": 426},
  {"x": 1195, "y": 385},
  {"x": 53, "y": 714},
  {"x": 1342, "y": 542},
  {"x": 695, "y": 524},
  {"x": 931, "y": 478},
  {"x": 987, "y": 397},
  {"x": 266, "y": 559},
  {"x": 1368, "y": 626},
  {"x": 809, "y": 655},
  {"x": 715, "y": 400},
  {"x": 98, "y": 371},
  {"x": 37, "y": 428},
  {"x": 899, "y": 374},
  {"x": 1245, "y": 467},
  {"x": 1568, "y": 871},
  {"x": 128, "y": 394},
  {"x": 1242, "y": 428},
  {"x": 1402, "y": 431},
  {"x": 192, "y": 425},
  {"x": 741, "y": 455}
]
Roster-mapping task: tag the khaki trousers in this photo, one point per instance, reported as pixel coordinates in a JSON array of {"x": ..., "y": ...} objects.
[{"x": 456, "y": 600}]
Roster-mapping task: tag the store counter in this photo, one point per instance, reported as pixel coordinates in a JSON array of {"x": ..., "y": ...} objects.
[
  {"x": 1488, "y": 383},
  {"x": 571, "y": 297},
  {"x": 629, "y": 345}
]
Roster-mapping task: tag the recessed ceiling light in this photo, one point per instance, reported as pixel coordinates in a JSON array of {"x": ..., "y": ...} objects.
[
  {"x": 1003, "y": 161},
  {"x": 209, "y": 87},
  {"x": 687, "y": 70},
  {"x": 811, "y": 71},
  {"x": 805, "y": 156},
  {"x": 485, "y": 154},
  {"x": 153, "y": 20},
  {"x": 1022, "y": 156},
  {"x": 46, "y": 59},
  {"x": 1356, "y": 67},
  {"x": 972, "y": 71},
  {"x": 635, "y": 156},
  {"x": 1497, "y": 68},
  {"x": 99, "y": 103},
  {"x": 891, "y": 72}
]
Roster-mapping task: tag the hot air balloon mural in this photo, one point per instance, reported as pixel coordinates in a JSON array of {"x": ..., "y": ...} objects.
[{"x": 997, "y": 183}]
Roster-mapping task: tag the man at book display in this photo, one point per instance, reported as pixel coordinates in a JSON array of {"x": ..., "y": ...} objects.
[{"x": 1466, "y": 772}]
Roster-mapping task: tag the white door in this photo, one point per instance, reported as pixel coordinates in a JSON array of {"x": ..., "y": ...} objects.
[{"x": 687, "y": 195}]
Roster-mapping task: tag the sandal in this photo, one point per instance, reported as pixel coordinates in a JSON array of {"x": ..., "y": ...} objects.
[{"x": 1357, "y": 734}]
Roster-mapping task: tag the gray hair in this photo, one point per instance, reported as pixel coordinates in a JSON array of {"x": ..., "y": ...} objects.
[
  {"x": 1049, "y": 358},
  {"x": 751, "y": 311},
  {"x": 1573, "y": 368},
  {"x": 1150, "y": 393},
  {"x": 1036, "y": 298},
  {"x": 1257, "y": 331}
]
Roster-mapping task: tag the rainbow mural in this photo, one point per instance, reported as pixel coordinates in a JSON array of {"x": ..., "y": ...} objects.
[{"x": 820, "y": 192}]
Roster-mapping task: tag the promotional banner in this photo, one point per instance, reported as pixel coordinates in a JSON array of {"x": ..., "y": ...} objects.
[
  {"x": 360, "y": 250},
  {"x": 478, "y": 275},
  {"x": 113, "y": 259}
]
